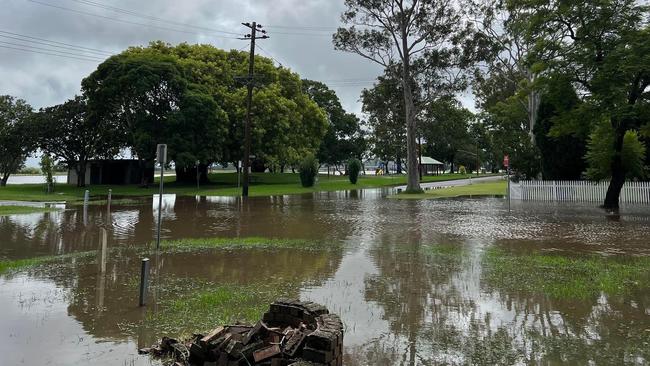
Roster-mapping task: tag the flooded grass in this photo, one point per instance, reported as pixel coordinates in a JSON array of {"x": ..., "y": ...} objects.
[
  {"x": 566, "y": 277},
  {"x": 209, "y": 305},
  {"x": 7, "y": 266},
  {"x": 236, "y": 243},
  {"x": 14, "y": 210},
  {"x": 474, "y": 190}
]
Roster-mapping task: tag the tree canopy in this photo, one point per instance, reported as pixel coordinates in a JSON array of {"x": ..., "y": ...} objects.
[{"x": 16, "y": 135}]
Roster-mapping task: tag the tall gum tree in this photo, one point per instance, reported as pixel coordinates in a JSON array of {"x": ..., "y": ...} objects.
[{"x": 430, "y": 42}]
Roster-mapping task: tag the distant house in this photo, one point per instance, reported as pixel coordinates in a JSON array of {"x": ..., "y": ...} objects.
[
  {"x": 431, "y": 166},
  {"x": 112, "y": 172}
]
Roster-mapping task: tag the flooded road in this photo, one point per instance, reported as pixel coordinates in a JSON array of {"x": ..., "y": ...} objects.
[{"x": 399, "y": 305}]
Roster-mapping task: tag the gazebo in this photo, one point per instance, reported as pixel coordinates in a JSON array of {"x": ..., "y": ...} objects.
[{"x": 430, "y": 166}]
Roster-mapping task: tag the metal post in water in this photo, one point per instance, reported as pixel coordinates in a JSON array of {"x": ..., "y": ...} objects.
[
  {"x": 86, "y": 197},
  {"x": 104, "y": 250},
  {"x": 144, "y": 279},
  {"x": 110, "y": 198}
]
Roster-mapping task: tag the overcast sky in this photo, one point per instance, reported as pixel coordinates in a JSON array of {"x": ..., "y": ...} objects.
[
  {"x": 87, "y": 31},
  {"x": 300, "y": 33}
]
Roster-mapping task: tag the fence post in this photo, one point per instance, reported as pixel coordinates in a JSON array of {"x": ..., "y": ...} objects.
[
  {"x": 104, "y": 249},
  {"x": 144, "y": 279}
]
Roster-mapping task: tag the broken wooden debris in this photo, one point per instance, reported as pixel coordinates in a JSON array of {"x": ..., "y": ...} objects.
[{"x": 291, "y": 333}]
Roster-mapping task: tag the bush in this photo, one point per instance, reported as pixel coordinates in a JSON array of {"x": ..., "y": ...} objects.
[
  {"x": 462, "y": 169},
  {"x": 354, "y": 167},
  {"x": 308, "y": 171}
]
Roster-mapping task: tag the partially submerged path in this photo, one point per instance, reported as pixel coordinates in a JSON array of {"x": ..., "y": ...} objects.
[{"x": 457, "y": 183}]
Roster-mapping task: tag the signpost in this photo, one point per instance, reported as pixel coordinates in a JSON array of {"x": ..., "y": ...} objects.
[
  {"x": 506, "y": 164},
  {"x": 161, "y": 157}
]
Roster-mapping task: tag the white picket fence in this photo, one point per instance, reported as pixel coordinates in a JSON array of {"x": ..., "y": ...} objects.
[{"x": 577, "y": 191}]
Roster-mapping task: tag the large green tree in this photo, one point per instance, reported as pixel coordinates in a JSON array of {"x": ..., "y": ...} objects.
[
  {"x": 605, "y": 50},
  {"x": 428, "y": 42},
  {"x": 72, "y": 134},
  {"x": 286, "y": 123},
  {"x": 17, "y": 138},
  {"x": 344, "y": 138},
  {"x": 140, "y": 93}
]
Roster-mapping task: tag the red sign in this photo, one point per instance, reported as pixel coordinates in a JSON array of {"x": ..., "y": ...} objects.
[{"x": 506, "y": 161}]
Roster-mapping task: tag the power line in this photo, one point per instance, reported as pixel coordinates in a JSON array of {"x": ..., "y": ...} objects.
[
  {"x": 82, "y": 58},
  {"x": 55, "y": 44},
  {"x": 148, "y": 17},
  {"x": 118, "y": 20},
  {"x": 268, "y": 54}
]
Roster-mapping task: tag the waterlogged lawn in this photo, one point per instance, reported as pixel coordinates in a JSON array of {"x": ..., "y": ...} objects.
[
  {"x": 14, "y": 210},
  {"x": 204, "y": 306},
  {"x": 477, "y": 189},
  {"x": 7, "y": 266},
  {"x": 181, "y": 245},
  {"x": 565, "y": 277},
  {"x": 221, "y": 184}
]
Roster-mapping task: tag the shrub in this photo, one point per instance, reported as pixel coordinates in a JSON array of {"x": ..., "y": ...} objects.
[
  {"x": 462, "y": 169},
  {"x": 47, "y": 167},
  {"x": 308, "y": 171},
  {"x": 354, "y": 167}
]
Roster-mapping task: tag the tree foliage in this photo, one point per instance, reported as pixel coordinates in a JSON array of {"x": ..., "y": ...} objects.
[
  {"x": 190, "y": 97},
  {"x": 344, "y": 138},
  {"x": 72, "y": 134},
  {"x": 16, "y": 135},
  {"x": 308, "y": 170}
]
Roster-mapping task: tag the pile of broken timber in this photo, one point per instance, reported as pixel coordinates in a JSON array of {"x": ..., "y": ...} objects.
[{"x": 292, "y": 332}]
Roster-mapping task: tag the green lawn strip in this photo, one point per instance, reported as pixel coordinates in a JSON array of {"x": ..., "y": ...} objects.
[
  {"x": 565, "y": 277},
  {"x": 476, "y": 189},
  {"x": 13, "y": 210},
  {"x": 221, "y": 184},
  {"x": 191, "y": 244},
  {"x": 23, "y": 264}
]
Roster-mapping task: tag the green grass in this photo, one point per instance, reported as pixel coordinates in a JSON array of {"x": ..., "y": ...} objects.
[
  {"x": 476, "y": 189},
  {"x": 221, "y": 184},
  {"x": 23, "y": 264},
  {"x": 565, "y": 277},
  {"x": 202, "y": 306},
  {"x": 12, "y": 210},
  {"x": 182, "y": 245}
]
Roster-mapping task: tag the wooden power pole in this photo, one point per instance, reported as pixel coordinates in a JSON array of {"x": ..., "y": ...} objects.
[{"x": 254, "y": 27}]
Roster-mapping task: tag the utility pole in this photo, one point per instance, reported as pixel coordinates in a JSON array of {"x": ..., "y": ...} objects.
[{"x": 254, "y": 27}]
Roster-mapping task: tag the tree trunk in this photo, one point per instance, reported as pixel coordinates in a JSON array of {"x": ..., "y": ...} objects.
[
  {"x": 534, "y": 100},
  {"x": 5, "y": 178},
  {"x": 413, "y": 179},
  {"x": 144, "y": 178},
  {"x": 81, "y": 174},
  {"x": 618, "y": 173}
]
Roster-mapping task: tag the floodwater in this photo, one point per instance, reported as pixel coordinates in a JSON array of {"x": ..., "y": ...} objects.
[
  {"x": 399, "y": 307},
  {"x": 34, "y": 179}
]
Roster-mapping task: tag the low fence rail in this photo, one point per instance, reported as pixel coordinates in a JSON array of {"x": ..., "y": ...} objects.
[{"x": 577, "y": 191}]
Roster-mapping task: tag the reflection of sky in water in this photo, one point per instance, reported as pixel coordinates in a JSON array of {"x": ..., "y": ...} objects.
[
  {"x": 123, "y": 223},
  {"x": 168, "y": 202}
]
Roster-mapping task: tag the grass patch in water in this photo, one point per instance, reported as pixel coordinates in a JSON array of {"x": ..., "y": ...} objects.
[
  {"x": 209, "y": 305},
  {"x": 234, "y": 243},
  {"x": 477, "y": 189},
  {"x": 14, "y": 210},
  {"x": 26, "y": 263},
  {"x": 565, "y": 277}
]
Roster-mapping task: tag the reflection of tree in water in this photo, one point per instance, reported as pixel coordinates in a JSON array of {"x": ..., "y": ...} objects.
[{"x": 439, "y": 313}]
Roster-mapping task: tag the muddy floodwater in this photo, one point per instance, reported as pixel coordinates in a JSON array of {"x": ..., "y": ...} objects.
[{"x": 399, "y": 307}]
